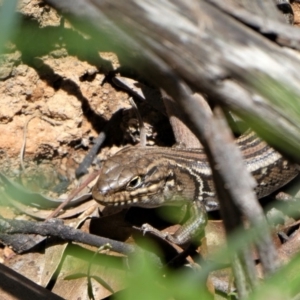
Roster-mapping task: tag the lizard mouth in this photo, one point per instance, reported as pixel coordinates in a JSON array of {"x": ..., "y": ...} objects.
[
  {"x": 117, "y": 199},
  {"x": 127, "y": 199}
]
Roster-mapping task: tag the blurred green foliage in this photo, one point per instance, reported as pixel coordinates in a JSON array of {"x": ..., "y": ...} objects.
[{"x": 8, "y": 21}]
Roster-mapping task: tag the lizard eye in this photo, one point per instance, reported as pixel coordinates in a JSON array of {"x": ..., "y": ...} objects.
[{"x": 134, "y": 182}]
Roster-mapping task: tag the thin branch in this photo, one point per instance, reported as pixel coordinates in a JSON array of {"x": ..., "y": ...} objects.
[
  {"x": 75, "y": 192},
  {"x": 55, "y": 227},
  {"x": 22, "y": 151}
]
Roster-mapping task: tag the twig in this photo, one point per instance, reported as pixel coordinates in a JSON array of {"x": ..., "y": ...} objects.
[
  {"x": 55, "y": 227},
  {"x": 220, "y": 150},
  {"x": 73, "y": 194},
  {"x": 22, "y": 151},
  {"x": 50, "y": 121},
  {"x": 239, "y": 191}
]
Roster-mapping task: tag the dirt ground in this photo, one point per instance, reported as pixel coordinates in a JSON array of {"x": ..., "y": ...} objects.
[{"x": 59, "y": 103}]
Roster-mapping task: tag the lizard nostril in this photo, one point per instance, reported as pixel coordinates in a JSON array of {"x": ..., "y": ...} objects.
[
  {"x": 99, "y": 191},
  {"x": 103, "y": 190}
]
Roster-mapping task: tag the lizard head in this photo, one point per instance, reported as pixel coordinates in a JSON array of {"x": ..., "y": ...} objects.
[{"x": 132, "y": 178}]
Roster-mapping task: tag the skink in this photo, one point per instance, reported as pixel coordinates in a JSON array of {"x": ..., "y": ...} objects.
[{"x": 155, "y": 176}]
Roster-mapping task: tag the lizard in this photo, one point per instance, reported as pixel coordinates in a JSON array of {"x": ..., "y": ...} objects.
[{"x": 154, "y": 176}]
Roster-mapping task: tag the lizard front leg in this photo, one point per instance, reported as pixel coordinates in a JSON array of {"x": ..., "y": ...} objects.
[{"x": 191, "y": 229}]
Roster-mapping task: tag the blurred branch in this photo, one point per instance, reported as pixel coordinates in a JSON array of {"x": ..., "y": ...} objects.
[
  {"x": 263, "y": 17},
  {"x": 17, "y": 286},
  {"x": 55, "y": 227},
  {"x": 212, "y": 52}
]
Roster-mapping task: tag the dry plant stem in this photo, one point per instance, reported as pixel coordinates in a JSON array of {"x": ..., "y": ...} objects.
[
  {"x": 212, "y": 138},
  {"x": 55, "y": 227},
  {"x": 143, "y": 139},
  {"x": 239, "y": 185},
  {"x": 205, "y": 128},
  {"x": 72, "y": 195},
  {"x": 23, "y": 147},
  {"x": 222, "y": 153},
  {"x": 242, "y": 9},
  {"x": 228, "y": 170}
]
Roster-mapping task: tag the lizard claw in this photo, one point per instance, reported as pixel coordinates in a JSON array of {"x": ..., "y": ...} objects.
[{"x": 148, "y": 228}]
